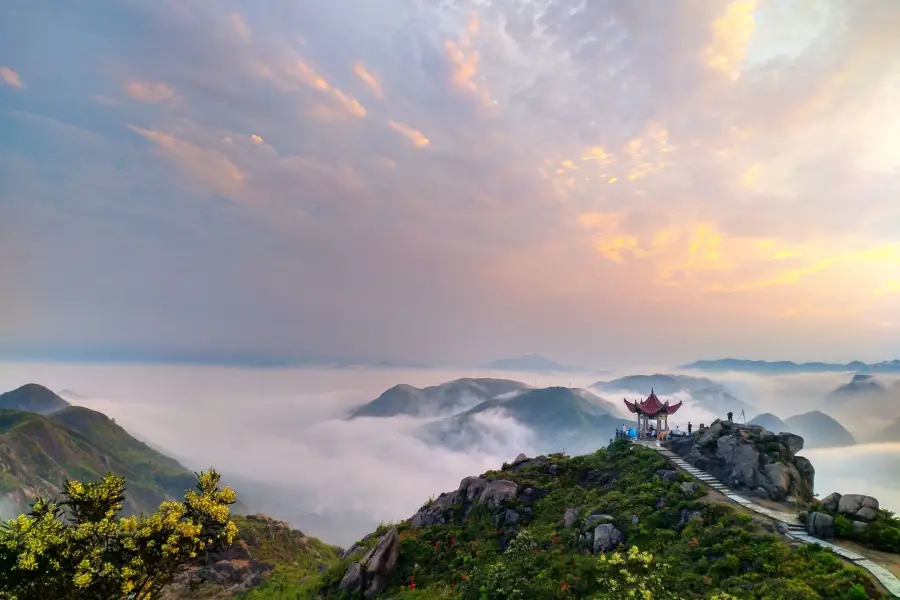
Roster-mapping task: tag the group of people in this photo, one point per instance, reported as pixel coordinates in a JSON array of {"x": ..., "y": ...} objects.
[{"x": 662, "y": 434}]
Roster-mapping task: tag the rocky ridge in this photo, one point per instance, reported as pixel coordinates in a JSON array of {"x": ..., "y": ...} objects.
[{"x": 750, "y": 458}]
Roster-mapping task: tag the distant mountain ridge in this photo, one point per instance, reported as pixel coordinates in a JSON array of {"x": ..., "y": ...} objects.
[
  {"x": 531, "y": 363},
  {"x": 786, "y": 366},
  {"x": 452, "y": 396},
  {"x": 817, "y": 429},
  {"x": 570, "y": 418},
  {"x": 711, "y": 396}
]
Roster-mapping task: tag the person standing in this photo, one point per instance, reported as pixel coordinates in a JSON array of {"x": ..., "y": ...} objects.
[
  {"x": 730, "y": 414},
  {"x": 690, "y": 428}
]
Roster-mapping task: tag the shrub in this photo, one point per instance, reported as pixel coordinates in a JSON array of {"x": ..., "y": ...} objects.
[{"x": 80, "y": 547}]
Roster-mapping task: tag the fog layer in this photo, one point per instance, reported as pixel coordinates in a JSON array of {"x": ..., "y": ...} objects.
[{"x": 281, "y": 437}]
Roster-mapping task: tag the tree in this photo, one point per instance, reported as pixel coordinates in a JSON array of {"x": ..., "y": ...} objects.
[{"x": 80, "y": 548}]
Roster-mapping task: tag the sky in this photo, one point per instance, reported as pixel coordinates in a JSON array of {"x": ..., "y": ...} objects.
[{"x": 601, "y": 182}]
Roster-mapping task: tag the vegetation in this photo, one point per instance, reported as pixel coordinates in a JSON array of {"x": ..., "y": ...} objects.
[
  {"x": 40, "y": 452},
  {"x": 677, "y": 547},
  {"x": 81, "y": 548},
  {"x": 881, "y": 534}
]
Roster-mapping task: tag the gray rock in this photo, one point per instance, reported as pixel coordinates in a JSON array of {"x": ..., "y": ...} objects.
[
  {"x": 782, "y": 527},
  {"x": 511, "y": 517},
  {"x": 859, "y": 527},
  {"x": 831, "y": 502},
  {"x": 498, "y": 492},
  {"x": 760, "y": 492},
  {"x": 820, "y": 525},
  {"x": 471, "y": 487},
  {"x": 688, "y": 515},
  {"x": 779, "y": 480},
  {"x": 689, "y": 489},
  {"x": 606, "y": 537},
  {"x": 668, "y": 475},
  {"x": 866, "y": 513},
  {"x": 570, "y": 517},
  {"x": 596, "y": 519},
  {"x": 792, "y": 441},
  {"x": 519, "y": 459},
  {"x": 553, "y": 469},
  {"x": 852, "y": 504},
  {"x": 379, "y": 563}
]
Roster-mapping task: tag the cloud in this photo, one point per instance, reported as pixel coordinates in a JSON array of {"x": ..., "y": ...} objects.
[
  {"x": 415, "y": 136},
  {"x": 152, "y": 92},
  {"x": 279, "y": 437},
  {"x": 743, "y": 155},
  {"x": 11, "y": 78},
  {"x": 369, "y": 79}
]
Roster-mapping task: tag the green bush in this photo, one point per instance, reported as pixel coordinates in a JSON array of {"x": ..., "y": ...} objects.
[{"x": 80, "y": 548}]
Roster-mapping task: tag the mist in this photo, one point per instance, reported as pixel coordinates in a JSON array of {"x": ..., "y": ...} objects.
[{"x": 280, "y": 437}]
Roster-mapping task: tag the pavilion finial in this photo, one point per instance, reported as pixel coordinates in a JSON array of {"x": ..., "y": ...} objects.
[{"x": 651, "y": 389}]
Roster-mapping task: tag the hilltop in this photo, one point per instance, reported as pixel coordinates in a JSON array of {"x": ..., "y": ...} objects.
[
  {"x": 56, "y": 441},
  {"x": 34, "y": 398},
  {"x": 558, "y": 417},
  {"x": 605, "y": 525},
  {"x": 820, "y": 430},
  {"x": 452, "y": 396}
]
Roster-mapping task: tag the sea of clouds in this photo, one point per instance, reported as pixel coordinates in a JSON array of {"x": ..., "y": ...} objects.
[{"x": 280, "y": 436}]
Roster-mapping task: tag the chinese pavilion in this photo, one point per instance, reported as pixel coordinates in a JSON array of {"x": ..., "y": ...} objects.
[{"x": 652, "y": 408}]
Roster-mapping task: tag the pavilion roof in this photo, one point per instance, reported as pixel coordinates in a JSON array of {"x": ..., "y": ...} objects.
[{"x": 652, "y": 406}]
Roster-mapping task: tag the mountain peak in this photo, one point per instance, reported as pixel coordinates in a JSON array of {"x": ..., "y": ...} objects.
[{"x": 32, "y": 397}]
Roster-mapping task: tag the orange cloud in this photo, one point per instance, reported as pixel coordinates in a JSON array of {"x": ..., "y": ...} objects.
[
  {"x": 11, "y": 78},
  {"x": 465, "y": 61},
  {"x": 350, "y": 104},
  {"x": 299, "y": 71},
  {"x": 731, "y": 32},
  {"x": 146, "y": 91},
  {"x": 211, "y": 167},
  {"x": 256, "y": 139},
  {"x": 415, "y": 136},
  {"x": 369, "y": 79}
]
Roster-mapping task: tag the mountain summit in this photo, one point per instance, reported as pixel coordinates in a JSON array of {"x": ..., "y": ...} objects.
[{"x": 34, "y": 398}]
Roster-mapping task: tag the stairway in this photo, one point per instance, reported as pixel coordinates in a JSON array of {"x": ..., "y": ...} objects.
[{"x": 794, "y": 528}]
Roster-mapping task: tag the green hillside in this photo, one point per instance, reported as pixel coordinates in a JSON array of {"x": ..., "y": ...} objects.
[
  {"x": 613, "y": 524},
  {"x": 32, "y": 397},
  {"x": 38, "y": 453}
]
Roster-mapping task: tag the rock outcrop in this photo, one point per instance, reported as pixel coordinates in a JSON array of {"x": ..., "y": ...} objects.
[
  {"x": 751, "y": 458},
  {"x": 373, "y": 571}
]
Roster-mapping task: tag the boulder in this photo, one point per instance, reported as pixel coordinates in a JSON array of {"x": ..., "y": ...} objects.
[
  {"x": 859, "y": 527},
  {"x": 859, "y": 506},
  {"x": 820, "y": 525},
  {"x": 779, "y": 480},
  {"x": 606, "y": 537},
  {"x": 792, "y": 441},
  {"x": 570, "y": 517},
  {"x": 688, "y": 515},
  {"x": 378, "y": 563},
  {"x": 471, "y": 487},
  {"x": 831, "y": 502},
  {"x": 519, "y": 459},
  {"x": 751, "y": 459},
  {"x": 690, "y": 489},
  {"x": 668, "y": 475},
  {"x": 498, "y": 492},
  {"x": 596, "y": 519}
]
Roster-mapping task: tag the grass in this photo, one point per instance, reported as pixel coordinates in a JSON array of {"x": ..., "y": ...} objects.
[{"x": 720, "y": 554}]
